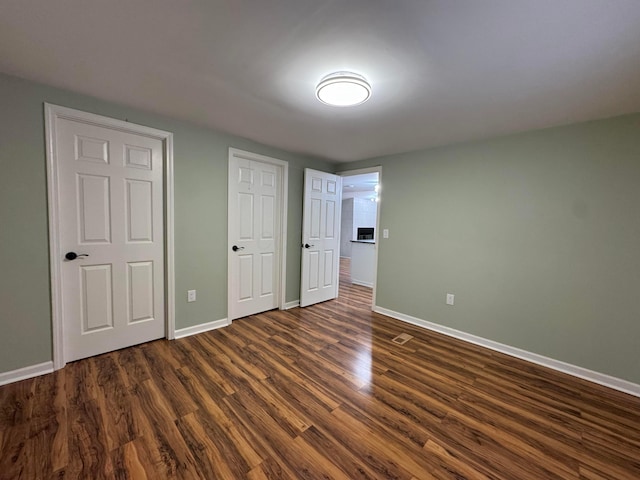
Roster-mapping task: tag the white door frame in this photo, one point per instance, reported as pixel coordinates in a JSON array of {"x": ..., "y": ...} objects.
[
  {"x": 284, "y": 195},
  {"x": 52, "y": 114},
  {"x": 378, "y": 169}
]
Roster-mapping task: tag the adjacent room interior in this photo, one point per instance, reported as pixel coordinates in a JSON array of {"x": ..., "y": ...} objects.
[
  {"x": 320, "y": 239},
  {"x": 358, "y": 226}
]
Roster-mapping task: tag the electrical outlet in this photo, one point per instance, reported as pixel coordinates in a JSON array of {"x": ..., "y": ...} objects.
[
  {"x": 191, "y": 295},
  {"x": 450, "y": 297},
  {"x": 385, "y": 233}
]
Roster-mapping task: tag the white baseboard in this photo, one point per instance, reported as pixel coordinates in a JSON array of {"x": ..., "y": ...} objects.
[
  {"x": 361, "y": 283},
  {"x": 203, "y": 327},
  {"x": 580, "y": 372},
  {"x": 294, "y": 304},
  {"x": 26, "y": 372}
]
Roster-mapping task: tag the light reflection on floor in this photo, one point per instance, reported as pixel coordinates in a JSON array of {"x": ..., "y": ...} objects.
[{"x": 361, "y": 366}]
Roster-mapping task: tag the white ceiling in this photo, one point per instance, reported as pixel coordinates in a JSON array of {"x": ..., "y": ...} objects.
[
  {"x": 442, "y": 71},
  {"x": 362, "y": 185}
]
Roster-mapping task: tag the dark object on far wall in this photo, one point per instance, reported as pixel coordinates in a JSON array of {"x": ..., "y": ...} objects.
[{"x": 365, "y": 233}]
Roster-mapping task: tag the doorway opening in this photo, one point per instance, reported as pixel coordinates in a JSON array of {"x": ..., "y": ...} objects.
[{"x": 359, "y": 232}]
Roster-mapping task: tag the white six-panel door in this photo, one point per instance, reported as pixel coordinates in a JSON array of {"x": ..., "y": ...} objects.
[
  {"x": 110, "y": 194},
  {"x": 320, "y": 237},
  {"x": 255, "y": 204}
]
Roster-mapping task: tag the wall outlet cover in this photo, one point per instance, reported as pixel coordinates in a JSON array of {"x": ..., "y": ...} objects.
[
  {"x": 191, "y": 295},
  {"x": 450, "y": 298}
]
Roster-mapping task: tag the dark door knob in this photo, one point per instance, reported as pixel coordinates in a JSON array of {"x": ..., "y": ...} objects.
[
  {"x": 306, "y": 245},
  {"x": 74, "y": 255},
  {"x": 235, "y": 248}
]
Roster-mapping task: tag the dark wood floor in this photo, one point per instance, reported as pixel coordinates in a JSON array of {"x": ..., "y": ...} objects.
[{"x": 315, "y": 393}]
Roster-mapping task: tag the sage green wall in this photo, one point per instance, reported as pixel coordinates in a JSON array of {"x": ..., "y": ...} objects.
[
  {"x": 536, "y": 234},
  {"x": 201, "y": 159}
]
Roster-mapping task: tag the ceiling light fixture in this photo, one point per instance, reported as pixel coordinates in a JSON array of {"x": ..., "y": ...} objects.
[{"x": 343, "y": 89}]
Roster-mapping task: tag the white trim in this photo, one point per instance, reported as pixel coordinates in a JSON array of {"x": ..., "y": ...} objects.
[
  {"x": 574, "y": 370},
  {"x": 26, "y": 372},
  {"x": 284, "y": 208},
  {"x": 169, "y": 222},
  {"x": 363, "y": 284},
  {"x": 360, "y": 171},
  {"x": 290, "y": 305},
  {"x": 203, "y": 327},
  {"x": 52, "y": 113},
  {"x": 283, "y": 233},
  {"x": 57, "y": 328}
]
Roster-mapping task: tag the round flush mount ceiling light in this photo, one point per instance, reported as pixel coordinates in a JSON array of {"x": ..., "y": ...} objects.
[{"x": 343, "y": 89}]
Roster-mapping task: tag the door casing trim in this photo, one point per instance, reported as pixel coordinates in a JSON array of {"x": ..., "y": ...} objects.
[
  {"x": 52, "y": 114},
  {"x": 284, "y": 192}
]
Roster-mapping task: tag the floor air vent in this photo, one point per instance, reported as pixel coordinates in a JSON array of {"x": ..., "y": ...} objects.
[{"x": 402, "y": 338}]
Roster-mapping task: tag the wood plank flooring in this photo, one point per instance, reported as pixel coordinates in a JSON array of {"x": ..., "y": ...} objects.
[{"x": 315, "y": 393}]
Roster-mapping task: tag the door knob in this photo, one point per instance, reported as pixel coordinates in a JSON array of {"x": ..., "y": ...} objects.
[
  {"x": 306, "y": 245},
  {"x": 235, "y": 248},
  {"x": 74, "y": 255}
]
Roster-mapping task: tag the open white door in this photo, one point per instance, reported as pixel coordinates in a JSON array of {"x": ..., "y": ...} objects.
[{"x": 320, "y": 237}]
